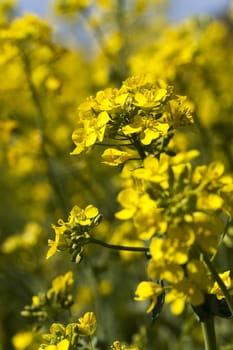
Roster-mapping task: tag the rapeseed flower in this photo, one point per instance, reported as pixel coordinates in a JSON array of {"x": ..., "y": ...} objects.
[{"x": 148, "y": 291}]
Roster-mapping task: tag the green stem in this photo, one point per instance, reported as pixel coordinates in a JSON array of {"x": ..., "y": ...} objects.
[
  {"x": 209, "y": 334},
  {"x": 119, "y": 247},
  {"x": 90, "y": 343},
  {"x": 138, "y": 147},
  {"x": 39, "y": 121},
  {"x": 216, "y": 278},
  {"x": 228, "y": 224}
]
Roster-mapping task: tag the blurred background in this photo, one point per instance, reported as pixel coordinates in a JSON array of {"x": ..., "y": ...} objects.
[
  {"x": 49, "y": 65},
  {"x": 177, "y": 9}
]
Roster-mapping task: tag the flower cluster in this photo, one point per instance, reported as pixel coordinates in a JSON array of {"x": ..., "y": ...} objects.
[
  {"x": 168, "y": 192},
  {"x": 28, "y": 28},
  {"x": 177, "y": 208},
  {"x": 68, "y": 337},
  {"x": 49, "y": 304},
  {"x": 140, "y": 117},
  {"x": 75, "y": 233},
  {"x": 172, "y": 204}
]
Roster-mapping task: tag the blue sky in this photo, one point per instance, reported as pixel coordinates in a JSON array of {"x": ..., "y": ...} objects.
[
  {"x": 179, "y": 8},
  {"x": 183, "y": 8}
]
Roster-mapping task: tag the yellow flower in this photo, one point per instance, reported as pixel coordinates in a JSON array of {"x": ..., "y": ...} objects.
[
  {"x": 121, "y": 99},
  {"x": 177, "y": 300},
  {"x": 150, "y": 98},
  {"x": 87, "y": 324},
  {"x": 148, "y": 219},
  {"x": 191, "y": 288},
  {"x": 183, "y": 291},
  {"x": 208, "y": 229},
  {"x": 128, "y": 198},
  {"x": 174, "y": 247},
  {"x": 62, "y": 284},
  {"x": 208, "y": 174},
  {"x": 148, "y": 128},
  {"x": 82, "y": 216},
  {"x": 179, "y": 113},
  {"x": 30, "y": 27},
  {"x": 104, "y": 101},
  {"x": 116, "y": 345},
  {"x": 134, "y": 127},
  {"x": 197, "y": 272},
  {"x": 227, "y": 280},
  {"x": 62, "y": 345},
  {"x": 61, "y": 241},
  {"x": 90, "y": 131},
  {"x": 146, "y": 216},
  {"x": 170, "y": 252},
  {"x": 154, "y": 170},
  {"x": 209, "y": 201},
  {"x": 135, "y": 82},
  {"x": 70, "y": 235},
  {"x": 184, "y": 157},
  {"x": 148, "y": 291},
  {"x": 151, "y": 131},
  {"x": 35, "y": 300},
  {"x": 22, "y": 340},
  {"x": 53, "y": 244},
  {"x": 115, "y": 157}
]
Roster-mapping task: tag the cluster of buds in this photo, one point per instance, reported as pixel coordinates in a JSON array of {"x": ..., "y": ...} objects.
[
  {"x": 74, "y": 234},
  {"x": 48, "y": 305}
]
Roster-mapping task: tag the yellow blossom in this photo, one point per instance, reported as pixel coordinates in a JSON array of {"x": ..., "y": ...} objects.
[
  {"x": 150, "y": 99},
  {"x": 115, "y": 157},
  {"x": 62, "y": 283},
  {"x": 29, "y": 27},
  {"x": 190, "y": 289},
  {"x": 148, "y": 291},
  {"x": 90, "y": 131},
  {"x": 35, "y": 300},
  {"x": 62, "y": 345},
  {"x": 207, "y": 230},
  {"x": 227, "y": 280},
  {"x": 22, "y": 340},
  {"x": 129, "y": 199},
  {"x": 148, "y": 128},
  {"x": 82, "y": 216},
  {"x": 154, "y": 170},
  {"x": 87, "y": 324},
  {"x": 59, "y": 243},
  {"x": 209, "y": 201}
]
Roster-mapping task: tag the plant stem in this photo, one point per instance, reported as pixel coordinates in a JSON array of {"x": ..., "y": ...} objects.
[
  {"x": 39, "y": 121},
  {"x": 227, "y": 226},
  {"x": 216, "y": 278},
  {"x": 209, "y": 334},
  {"x": 119, "y": 247},
  {"x": 138, "y": 147}
]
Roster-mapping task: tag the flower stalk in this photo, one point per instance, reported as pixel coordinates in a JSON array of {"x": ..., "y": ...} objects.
[
  {"x": 209, "y": 335},
  {"x": 119, "y": 247},
  {"x": 218, "y": 280}
]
